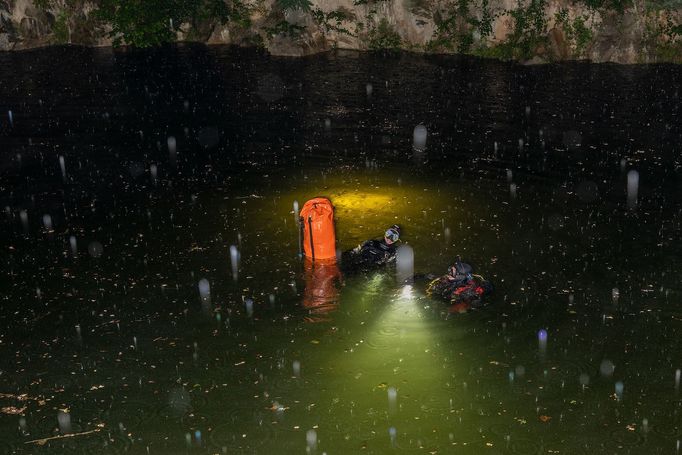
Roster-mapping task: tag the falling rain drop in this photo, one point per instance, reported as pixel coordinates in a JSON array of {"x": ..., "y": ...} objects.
[
  {"x": 95, "y": 249},
  {"x": 234, "y": 262},
  {"x": 512, "y": 190},
  {"x": 509, "y": 175},
  {"x": 619, "y": 390},
  {"x": 677, "y": 379},
  {"x": 204, "y": 289},
  {"x": 419, "y": 137},
  {"x": 393, "y": 435},
  {"x": 542, "y": 341},
  {"x": 64, "y": 420},
  {"x": 297, "y": 368},
  {"x": 47, "y": 222},
  {"x": 62, "y": 166},
  {"x": 11, "y": 118},
  {"x": 24, "y": 220},
  {"x": 248, "y": 304},
  {"x": 615, "y": 295},
  {"x": 154, "y": 172},
  {"x": 584, "y": 380},
  {"x": 606, "y": 368},
  {"x": 392, "y": 400},
  {"x": 633, "y": 188},
  {"x": 172, "y": 148},
  {"x": 404, "y": 263},
  {"x": 311, "y": 440},
  {"x": 369, "y": 89}
]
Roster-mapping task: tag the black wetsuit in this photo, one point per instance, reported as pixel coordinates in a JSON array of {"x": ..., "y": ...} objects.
[{"x": 371, "y": 254}]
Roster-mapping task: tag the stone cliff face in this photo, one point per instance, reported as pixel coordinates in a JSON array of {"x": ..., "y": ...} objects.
[{"x": 533, "y": 31}]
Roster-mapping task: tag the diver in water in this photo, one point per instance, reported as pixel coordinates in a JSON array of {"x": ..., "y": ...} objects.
[
  {"x": 372, "y": 253},
  {"x": 461, "y": 287}
]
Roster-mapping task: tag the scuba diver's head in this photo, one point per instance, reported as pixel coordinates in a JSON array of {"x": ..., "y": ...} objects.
[
  {"x": 392, "y": 234},
  {"x": 460, "y": 270}
]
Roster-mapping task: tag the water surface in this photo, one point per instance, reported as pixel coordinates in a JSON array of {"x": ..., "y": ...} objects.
[{"x": 112, "y": 349}]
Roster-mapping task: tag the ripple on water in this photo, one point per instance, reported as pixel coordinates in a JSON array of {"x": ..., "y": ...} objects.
[
  {"x": 178, "y": 408},
  {"x": 377, "y": 342},
  {"x": 196, "y": 420},
  {"x": 500, "y": 431},
  {"x": 389, "y": 331},
  {"x": 96, "y": 443},
  {"x": 132, "y": 414},
  {"x": 569, "y": 370},
  {"x": 415, "y": 441},
  {"x": 9, "y": 448},
  {"x": 625, "y": 437},
  {"x": 435, "y": 404},
  {"x": 282, "y": 385},
  {"x": 524, "y": 446},
  {"x": 235, "y": 434},
  {"x": 668, "y": 429}
]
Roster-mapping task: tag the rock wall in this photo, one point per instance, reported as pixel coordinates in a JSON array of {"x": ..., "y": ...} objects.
[{"x": 532, "y": 31}]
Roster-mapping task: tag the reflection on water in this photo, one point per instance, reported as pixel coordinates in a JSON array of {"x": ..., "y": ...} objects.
[{"x": 154, "y": 301}]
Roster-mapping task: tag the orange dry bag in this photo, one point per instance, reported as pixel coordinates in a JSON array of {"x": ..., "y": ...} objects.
[{"x": 317, "y": 229}]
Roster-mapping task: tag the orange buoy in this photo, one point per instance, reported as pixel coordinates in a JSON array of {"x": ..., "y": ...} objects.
[{"x": 317, "y": 229}]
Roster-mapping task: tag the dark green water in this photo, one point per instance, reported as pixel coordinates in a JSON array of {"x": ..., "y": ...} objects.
[{"x": 112, "y": 350}]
